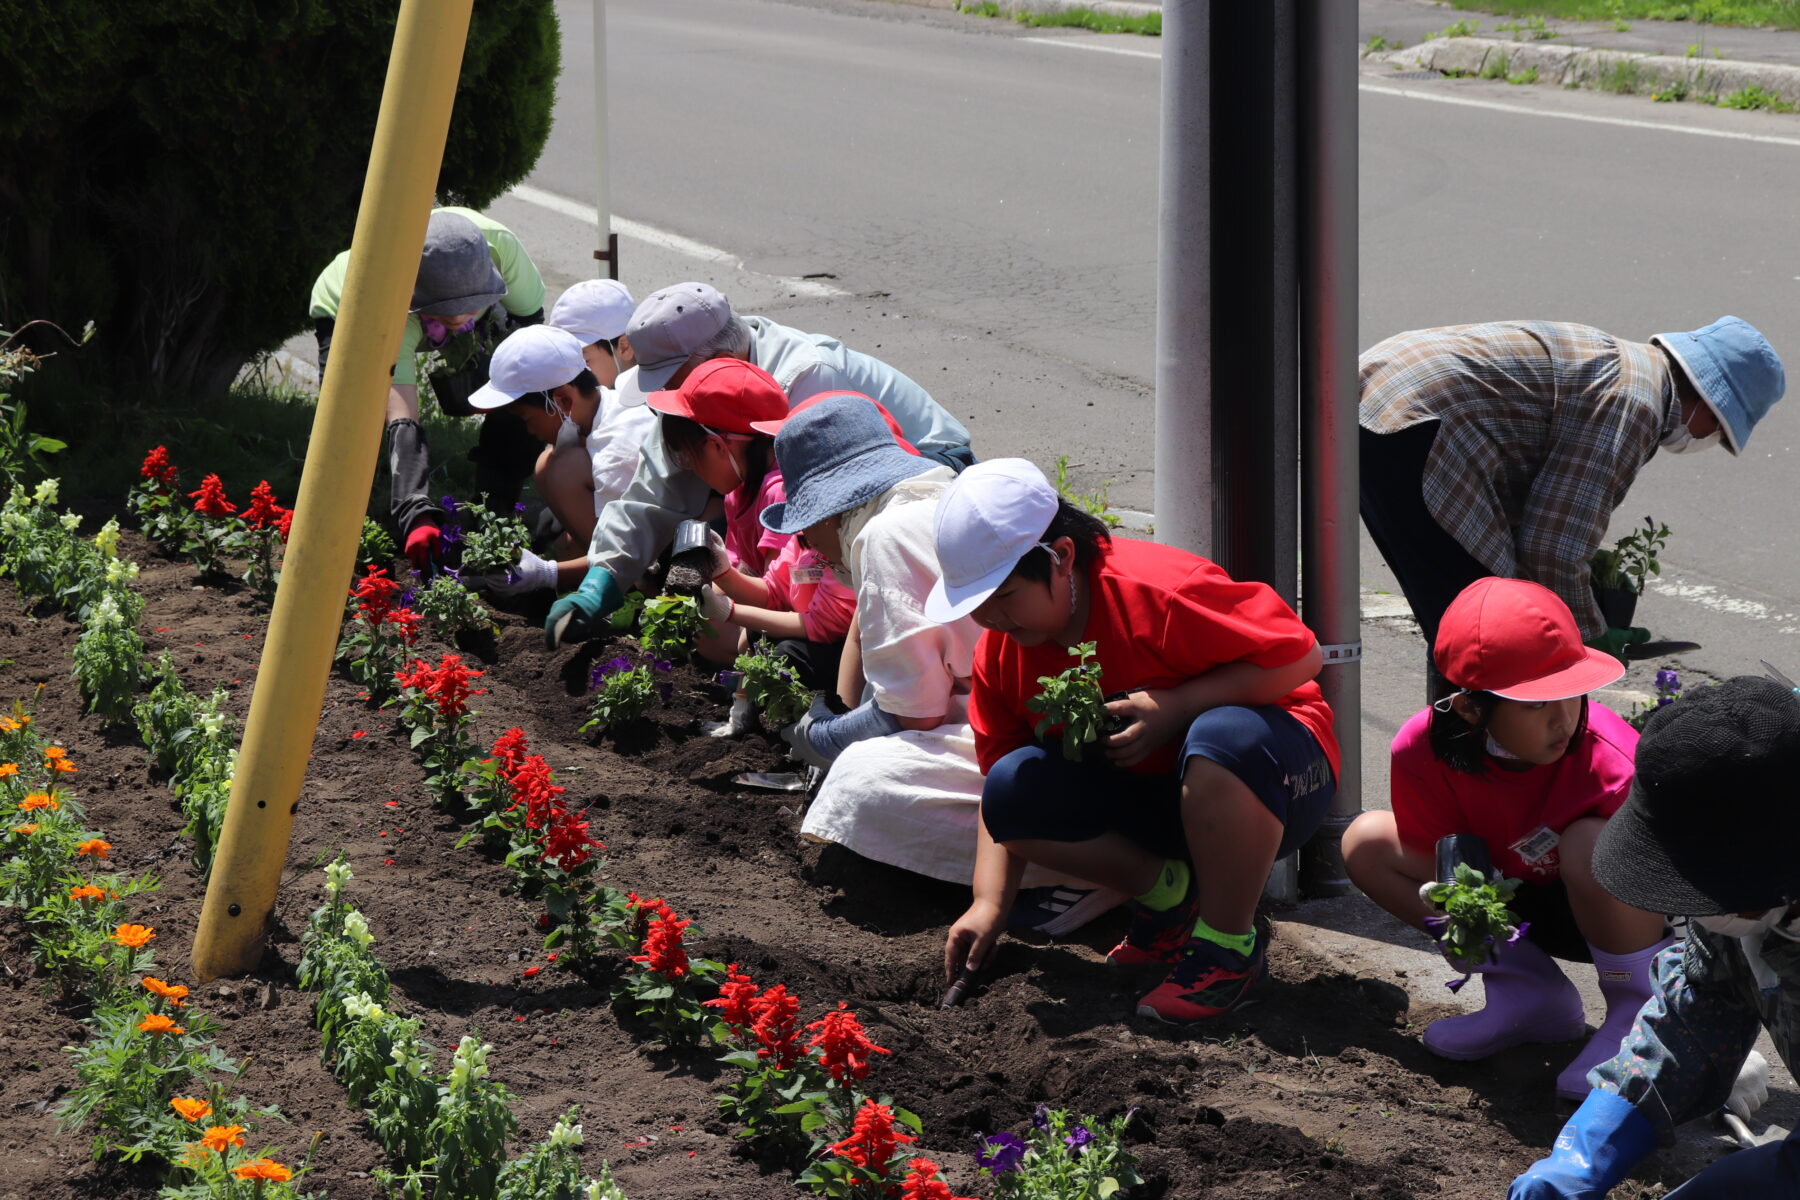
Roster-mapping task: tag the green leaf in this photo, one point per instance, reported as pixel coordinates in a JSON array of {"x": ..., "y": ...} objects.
[
  {"x": 1108, "y": 1186},
  {"x": 47, "y": 445}
]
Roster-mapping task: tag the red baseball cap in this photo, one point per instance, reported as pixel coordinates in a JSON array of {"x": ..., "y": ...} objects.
[
  {"x": 726, "y": 394},
  {"x": 1519, "y": 641},
  {"x": 774, "y": 427}
]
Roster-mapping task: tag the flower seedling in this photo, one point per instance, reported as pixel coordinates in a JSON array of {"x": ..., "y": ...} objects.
[
  {"x": 449, "y": 608},
  {"x": 435, "y": 706},
  {"x": 669, "y": 625},
  {"x": 772, "y": 684},
  {"x": 1060, "y": 1158},
  {"x": 1073, "y": 700},
  {"x": 266, "y": 526},
  {"x": 154, "y": 501},
  {"x": 375, "y": 548},
  {"x": 492, "y": 545},
  {"x": 109, "y": 657},
  {"x": 1632, "y": 559},
  {"x": 1475, "y": 918},
  {"x": 662, "y": 989},
  {"x": 379, "y": 632},
  {"x": 215, "y": 532},
  {"x": 623, "y": 692}
]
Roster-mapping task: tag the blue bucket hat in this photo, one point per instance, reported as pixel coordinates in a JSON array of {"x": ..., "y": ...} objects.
[
  {"x": 1735, "y": 370},
  {"x": 834, "y": 456}
]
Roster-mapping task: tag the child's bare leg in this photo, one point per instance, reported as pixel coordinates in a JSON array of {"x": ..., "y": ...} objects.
[
  {"x": 1383, "y": 867},
  {"x": 1605, "y": 922}
]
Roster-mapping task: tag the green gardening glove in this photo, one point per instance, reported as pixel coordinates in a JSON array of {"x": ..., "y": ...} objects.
[
  {"x": 582, "y": 613},
  {"x": 1614, "y": 641}
]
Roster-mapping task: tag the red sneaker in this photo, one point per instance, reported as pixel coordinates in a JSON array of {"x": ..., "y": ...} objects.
[
  {"x": 1157, "y": 937},
  {"x": 1207, "y": 981}
]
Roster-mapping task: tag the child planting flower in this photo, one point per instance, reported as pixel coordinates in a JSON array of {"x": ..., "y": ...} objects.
[
  {"x": 1228, "y": 752},
  {"x": 1521, "y": 759}
]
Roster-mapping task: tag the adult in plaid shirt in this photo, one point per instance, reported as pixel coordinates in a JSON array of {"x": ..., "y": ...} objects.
[{"x": 1503, "y": 448}]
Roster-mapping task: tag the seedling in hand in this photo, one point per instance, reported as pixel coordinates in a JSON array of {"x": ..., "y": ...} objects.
[{"x": 1073, "y": 700}]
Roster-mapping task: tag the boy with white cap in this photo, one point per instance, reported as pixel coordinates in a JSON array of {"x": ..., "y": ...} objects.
[
  {"x": 597, "y": 311},
  {"x": 540, "y": 377},
  {"x": 475, "y": 283},
  {"x": 1226, "y": 760}
]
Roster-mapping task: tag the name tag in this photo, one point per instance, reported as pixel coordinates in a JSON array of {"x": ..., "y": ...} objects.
[
  {"x": 802, "y": 576},
  {"x": 1537, "y": 845}
]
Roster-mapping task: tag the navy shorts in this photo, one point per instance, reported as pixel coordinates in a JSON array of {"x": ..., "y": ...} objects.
[{"x": 1035, "y": 792}]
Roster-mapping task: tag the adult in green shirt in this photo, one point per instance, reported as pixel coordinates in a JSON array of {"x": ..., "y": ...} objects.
[{"x": 475, "y": 285}]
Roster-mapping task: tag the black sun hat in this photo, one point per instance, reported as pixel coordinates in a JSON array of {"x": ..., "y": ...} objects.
[{"x": 1713, "y": 821}]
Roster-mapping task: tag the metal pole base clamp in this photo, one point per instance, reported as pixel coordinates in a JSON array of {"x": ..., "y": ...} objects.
[{"x": 1341, "y": 653}]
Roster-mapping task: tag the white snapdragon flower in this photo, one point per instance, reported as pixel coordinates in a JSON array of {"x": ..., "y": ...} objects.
[
  {"x": 357, "y": 929},
  {"x": 564, "y": 1133},
  {"x": 337, "y": 873}
]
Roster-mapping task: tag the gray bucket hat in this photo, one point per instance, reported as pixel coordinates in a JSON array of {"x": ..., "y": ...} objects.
[
  {"x": 456, "y": 269},
  {"x": 835, "y": 455}
]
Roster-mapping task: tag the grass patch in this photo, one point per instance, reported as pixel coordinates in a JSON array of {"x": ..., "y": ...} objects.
[
  {"x": 1779, "y": 14},
  {"x": 1528, "y": 75},
  {"x": 1494, "y": 67},
  {"x": 1149, "y": 25},
  {"x": 1529, "y": 29},
  {"x": 1754, "y": 97},
  {"x": 1627, "y": 77},
  {"x": 1455, "y": 29},
  {"x": 1376, "y": 44}
]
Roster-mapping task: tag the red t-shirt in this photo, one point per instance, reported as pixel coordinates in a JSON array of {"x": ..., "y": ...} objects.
[
  {"x": 1518, "y": 813},
  {"x": 1159, "y": 617}
]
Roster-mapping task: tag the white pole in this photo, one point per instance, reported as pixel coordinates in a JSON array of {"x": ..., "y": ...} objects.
[{"x": 609, "y": 245}]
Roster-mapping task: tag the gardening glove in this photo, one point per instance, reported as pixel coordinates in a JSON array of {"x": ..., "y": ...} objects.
[
  {"x": 741, "y": 720},
  {"x": 821, "y": 735},
  {"x": 718, "y": 562},
  {"x": 1595, "y": 1150},
  {"x": 1614, "y": 641},
  {"x": 582, "y": 613},
  {"x": 531, "y": 574},
  {"x": 715, "y": 605},
  {"x": 1751, "y": 1087},
  {"x": 422, "y": 542}
]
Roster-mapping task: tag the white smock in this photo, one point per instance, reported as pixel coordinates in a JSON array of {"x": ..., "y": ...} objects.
[
  {"x": 911, "y": 799},
  {"x": 614, "y": 444}
]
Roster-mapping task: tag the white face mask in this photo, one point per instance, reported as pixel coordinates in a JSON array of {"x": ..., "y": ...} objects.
[
  {"x": 1498, "y": 751},
  {"x": 568, "y": 433},
  {"x": 1732, "y": 925},
  {"x": 1682, "y": 441}
]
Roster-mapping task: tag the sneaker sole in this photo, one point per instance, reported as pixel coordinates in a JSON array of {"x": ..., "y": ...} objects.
[
  {"x": 1249, "y": 1001},
  {"x": 1096, "y": 903}
]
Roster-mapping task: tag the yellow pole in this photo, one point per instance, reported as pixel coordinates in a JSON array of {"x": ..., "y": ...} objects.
[{"x": 340, "y": 466}]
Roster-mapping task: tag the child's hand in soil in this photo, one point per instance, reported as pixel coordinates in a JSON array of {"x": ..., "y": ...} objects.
[
  {"x": 1154, "y": 719},
  {"x": 972, "y": 938}
]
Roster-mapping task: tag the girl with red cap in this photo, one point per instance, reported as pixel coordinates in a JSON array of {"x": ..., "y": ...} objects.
[
  {"x": 1522, "y": 759},
  {"x": 761, "y": 582}
]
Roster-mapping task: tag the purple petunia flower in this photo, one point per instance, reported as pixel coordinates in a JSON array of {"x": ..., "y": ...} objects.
[
  {"x": 610, "y": 667},
  {"x": 1436, "y": 923},
  {"x": 449, "y": 504},
  {"x": 1003, "y": 1152},
  {"x": 519, "y": 506},
  {"x": 1041, "y": 1118},
  {"x": 1518, "y": 933},
  {"x": 1077, "y": 1141},
  {"x": 451, "y": 534},
  {"x": 407, "y": 597}
]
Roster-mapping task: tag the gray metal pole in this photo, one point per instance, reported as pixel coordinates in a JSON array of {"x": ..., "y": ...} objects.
[
  {"x": 1329, "y": 567},
  {"x": 1184, "y": 352}
]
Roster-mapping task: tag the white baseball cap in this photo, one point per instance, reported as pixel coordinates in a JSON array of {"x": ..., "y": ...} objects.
[
  {"x": 594, "y": 310},
  {"x": 995, "y": 514},
  {"x": 536, "y": 358}
]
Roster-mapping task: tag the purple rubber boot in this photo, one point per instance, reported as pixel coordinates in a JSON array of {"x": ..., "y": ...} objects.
[
  {"x": 1625, "y": 983},
  {"x": 1529, "y": 999}
]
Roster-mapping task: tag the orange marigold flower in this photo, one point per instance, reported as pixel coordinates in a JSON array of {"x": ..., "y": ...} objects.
[
  {"x": 263, "y": 1168},
  {"x": 8, "y": 768},
  {"x": 133, "y": 936},
  {"x": 8, "y": 725},
  {"x": 157, "y": 1023},
  {"x": 87, "y": 891},
  {"x": 175, "y": 993},
  {"x": 57, "y": 759},
  {"x": 98, "y": 847},
  {"x": 191, "y": 1110},
  {"x": 38, "y": 800},
  {"x": 25, "y": 828},
  {"x": 219, "y": 1138}
]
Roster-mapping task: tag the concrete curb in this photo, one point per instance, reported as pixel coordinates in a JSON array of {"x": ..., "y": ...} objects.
[
  {"x": 1606, "y": 70},
  {"x": 1109, "y": 8}
]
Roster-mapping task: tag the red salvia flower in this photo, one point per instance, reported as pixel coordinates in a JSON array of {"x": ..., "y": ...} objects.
[
  {"x": 158, "y": 468},
  {"x": 416, "y": 675},
  {"x": 531, "y": 787},
  {"x": 922, "y": 1183},
  {"x": 263, "y": 511},
  {"x": 663, "y": 952},
  {"x": 449, "y": 686},
  {"x": 844, "y": 1048},
  {"x": 873, "y": 1139},
  {"x": 284, "y": 523},
  {"x": 510, "y": 750},
  {"x": 210, "y": 500},
  {"x": 406, "y": 622},
  {"x": 776, "y": 1026},
  {"x": 647, "y": 909},
  {"x": 735, "y": 1002},
  {"x": 568, "y": 844},
  {"x": 374, "y": 594}
]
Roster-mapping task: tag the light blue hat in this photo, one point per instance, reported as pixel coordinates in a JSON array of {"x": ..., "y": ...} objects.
[
  {"x": 1736, "y": 371},
  {"x": 835, "y": 455}
]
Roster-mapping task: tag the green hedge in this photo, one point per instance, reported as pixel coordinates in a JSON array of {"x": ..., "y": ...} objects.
[{"x": 178, "y": 171}]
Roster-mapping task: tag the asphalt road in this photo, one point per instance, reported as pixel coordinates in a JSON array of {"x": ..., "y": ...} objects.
[{"x": 983, "y": 196}]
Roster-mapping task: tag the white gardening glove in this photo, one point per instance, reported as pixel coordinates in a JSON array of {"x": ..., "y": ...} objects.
[
  {"x": 718, "y": 562},
  {"x": 715, "y": 605},
  {"x": 741, "y": 720},
  {"x": 1425, "y": 890},
  {"x": 1751, "y": 1088},
  {"x": 529, "y": 575},
  {"x": 799, "y": 744}
]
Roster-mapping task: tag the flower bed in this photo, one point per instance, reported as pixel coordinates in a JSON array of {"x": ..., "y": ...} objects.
[{"x": 1324, "y": 1053}]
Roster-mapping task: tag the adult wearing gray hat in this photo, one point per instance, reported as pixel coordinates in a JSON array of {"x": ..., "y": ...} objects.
[
  {"x": 475, "y": 285},
  {"x": 672, "y": 332},
  {"x": 1710, "y": 833}
]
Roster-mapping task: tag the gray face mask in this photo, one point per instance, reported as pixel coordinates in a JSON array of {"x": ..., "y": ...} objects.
[{"x": 1682, "y": 440}]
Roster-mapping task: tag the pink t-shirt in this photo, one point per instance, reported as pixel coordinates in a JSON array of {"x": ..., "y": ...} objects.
[
  {"x": 1518, "y": 813},
  {"x": 750, "y": 545},
  {"x": 798, "y": 579}
]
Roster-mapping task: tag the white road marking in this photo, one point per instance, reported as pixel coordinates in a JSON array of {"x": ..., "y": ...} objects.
[
  {"x": 662, "y": 239},
  {"x": 1067, "y": 44},
  {"x": 1498, "y": 106},
  {"x": 1708, "y": 596}
]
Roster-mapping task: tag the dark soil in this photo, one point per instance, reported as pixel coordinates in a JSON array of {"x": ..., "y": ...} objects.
[{"x": 1321, "y": 1090}]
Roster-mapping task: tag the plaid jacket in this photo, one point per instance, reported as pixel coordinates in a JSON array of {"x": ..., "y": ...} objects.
[
  {"x": 1542, "y": 428},
  {"x": 1684, "y": 1050}
]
